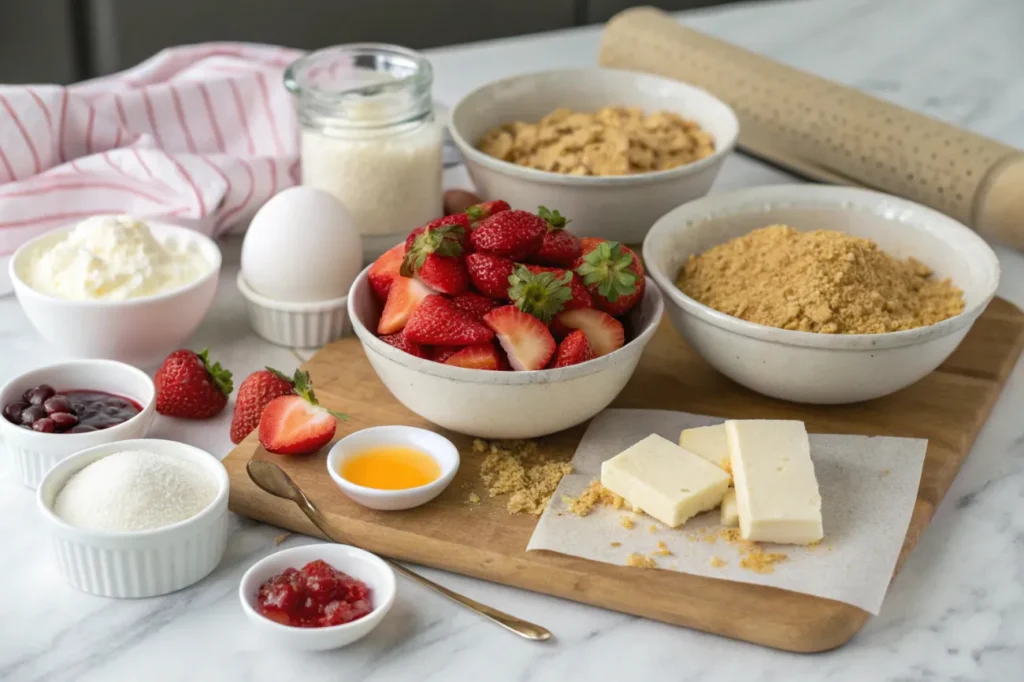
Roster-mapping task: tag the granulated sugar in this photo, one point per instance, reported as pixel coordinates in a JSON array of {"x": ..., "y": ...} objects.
[{"x": 134, "y": 491}]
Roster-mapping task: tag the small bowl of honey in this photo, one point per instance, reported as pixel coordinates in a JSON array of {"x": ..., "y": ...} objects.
[{"x": 393, "y": 467}]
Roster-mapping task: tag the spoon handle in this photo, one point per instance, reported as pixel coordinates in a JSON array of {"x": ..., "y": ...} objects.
[{"x": 509, "y": 622}]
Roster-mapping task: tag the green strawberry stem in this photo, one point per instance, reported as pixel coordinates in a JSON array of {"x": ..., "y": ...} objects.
[
  {"x": 609, "y": 268},
  {"x": 475, "y": 212},
  {"x": 220, "y": 376},
  {"x": 281, "y": 375},
  {"x": 304, "y": 389},
  {"x": 553, "y": 218},
  {"x": 541, "y": 295},
  {"x": 443, "y": 241}
]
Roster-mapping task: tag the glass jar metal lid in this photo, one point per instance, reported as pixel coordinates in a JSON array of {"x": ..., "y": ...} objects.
[{"x": 363, "y": 85}]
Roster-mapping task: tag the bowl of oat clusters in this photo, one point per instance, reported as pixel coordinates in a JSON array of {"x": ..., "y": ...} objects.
[{"x": 612, "y": 150}]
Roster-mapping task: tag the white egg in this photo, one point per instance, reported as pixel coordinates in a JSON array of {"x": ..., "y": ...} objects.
[{"x": 302, "y": 246}]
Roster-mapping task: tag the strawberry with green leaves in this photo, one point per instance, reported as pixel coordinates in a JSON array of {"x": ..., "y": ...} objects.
[
  {"x": 190, "y": 387},
  {"x": 612, "y": 274},
  {"x": 297, "y": 424},
  {"x": 255, "y": 393},
  {"x": 560, "y": 247},
  {"x": 541, "y": 294},
  {"x": 434, "y": 253},
  {"x": 486, "y": 209},
  {"x": 580, "y": 296}
]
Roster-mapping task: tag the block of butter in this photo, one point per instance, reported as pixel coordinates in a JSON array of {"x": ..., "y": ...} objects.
[
  {"x": 777, "y": 496},
  {"x": 709, "y": 442},
  {"x": 666, "y": 481},
  {"x": 730, "y": 515}
]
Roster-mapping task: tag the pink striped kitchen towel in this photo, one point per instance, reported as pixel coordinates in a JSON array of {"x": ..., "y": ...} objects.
[{"x": 198, "y": 135}]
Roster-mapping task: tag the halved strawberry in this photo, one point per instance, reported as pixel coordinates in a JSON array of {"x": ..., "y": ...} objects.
[
  {"x": 574, "y": 349},
  {"x": 384, "y": 270},
  {"x": 604, "y": 332},
  {"x": 297, "y": 424},
  {"x": 512, "y": 234},
  {"x": 405, "y": 296},
  {"x": 559, "y": 247},
  {"x": 486, "y": 209},
  {"x": 474, "y": 304},
  {"x": 525, "y": 339},
  {"x": 489, "y": 274},
  {"x": 478, "y": 356},
  {"x": 401, "y": 343},
  {"x": 541, "y": 294},
  {"x": 580, "y": 296},
  {"x": 434, "y": 255},
  {"x": 436, "y": 322},
  {"x": 612, "y": 274}
]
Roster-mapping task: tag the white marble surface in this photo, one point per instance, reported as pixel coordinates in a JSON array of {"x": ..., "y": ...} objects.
[{"x": 956, "y": 612}]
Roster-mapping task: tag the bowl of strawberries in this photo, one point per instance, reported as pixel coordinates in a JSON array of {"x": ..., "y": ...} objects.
[{"x": 499, "y": 323}]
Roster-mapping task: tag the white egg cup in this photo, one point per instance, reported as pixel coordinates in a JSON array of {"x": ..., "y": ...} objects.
[
  {"x": 437, "y": 446},
  {"x": 296, "y": 325}
]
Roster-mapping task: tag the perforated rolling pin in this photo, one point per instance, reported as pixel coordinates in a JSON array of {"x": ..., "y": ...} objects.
[{"x": 830, "y": 132}]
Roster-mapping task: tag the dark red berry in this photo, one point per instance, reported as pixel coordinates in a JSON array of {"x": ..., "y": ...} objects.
[
  {"x": 63, "y": 420},
  {"x": 44, "y": 425},
  {"x": 32, "y": 413},
  {"x": 12, "y": 412},
  {"x": 57, "y": 403},
  {"x": 39, "y": 394}
]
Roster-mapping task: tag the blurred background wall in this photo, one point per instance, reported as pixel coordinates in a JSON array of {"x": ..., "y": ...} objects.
[{"x": 61, "y": 41}]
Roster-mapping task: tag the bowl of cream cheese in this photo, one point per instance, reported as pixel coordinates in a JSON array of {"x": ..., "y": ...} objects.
[{"x": 116, "y": 287}]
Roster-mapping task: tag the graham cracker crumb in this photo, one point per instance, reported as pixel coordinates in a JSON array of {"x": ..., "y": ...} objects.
[
  {"x": 757, "y": 560},
  {"x": 640, "y": 561},
  {"x": 652, "y": 528},
  {"x": 514, "y": 468},
  {"x": 616, "y": 544},
  {"x": 473, "y": 499},
  {"x": 662, "y": 550},
  {"x": 884, "y": 472},
  {"x": 281, "y": 538},
  {"x": 627, "y": 522},
  {"x": 717, "y": 562},
  {"x": 594, "y": 495}
]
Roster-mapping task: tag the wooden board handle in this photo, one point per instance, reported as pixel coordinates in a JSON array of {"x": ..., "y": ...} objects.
[{"x": 831, "y": 132}]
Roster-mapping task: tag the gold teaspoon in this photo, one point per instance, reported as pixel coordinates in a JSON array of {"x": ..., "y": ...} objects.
[{"x": 275, "y": 481}]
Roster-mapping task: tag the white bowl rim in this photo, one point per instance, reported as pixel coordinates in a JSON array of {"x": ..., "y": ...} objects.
[
  {"x": 815, "y": 196},
  {"x": 722, "y": 146},
  {"x": 442, "y": 481},
  {"x": 386, "y": 603},
  {"x": 24, "y": 288},
  {"x": 220, "y": 474},
  {"x": 503, "y": 377},
  {"x": 114, "y": 365},
  {"x": 286, "y": 306}
]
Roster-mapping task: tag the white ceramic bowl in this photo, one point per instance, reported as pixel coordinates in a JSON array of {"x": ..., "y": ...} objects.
[
  {"x": 351, "y": 560},
  {"x": 804, "y": 366},
  {"x": 437, "y": 446},
  {"x": 296, "y": 325},
  {"x": 502, "y": 404},
  {"x": 144, "y": 563},
  {"x": 33, "y": 453},
  {"x": 139, "y": 331},
  {"x": 621, "y": 207}
]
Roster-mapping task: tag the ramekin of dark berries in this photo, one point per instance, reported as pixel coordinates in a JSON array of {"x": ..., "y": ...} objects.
[{"x": 49, "y": 413}]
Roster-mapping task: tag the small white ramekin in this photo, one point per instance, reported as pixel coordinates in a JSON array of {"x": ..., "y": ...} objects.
[
  {"x": 138, "y": 564},
  {"x": 435, "y": 445},
  {"x": 34, "y": 453},
  {"x": 359, "y": 564},
  {"x": 296, "y": 325}
]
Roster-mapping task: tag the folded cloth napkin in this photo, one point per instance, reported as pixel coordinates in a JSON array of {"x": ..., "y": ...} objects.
[{"x": 198, "y": 135}]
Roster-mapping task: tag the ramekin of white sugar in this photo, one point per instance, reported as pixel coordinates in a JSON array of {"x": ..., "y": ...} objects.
[{"x": 136, "y": 518}]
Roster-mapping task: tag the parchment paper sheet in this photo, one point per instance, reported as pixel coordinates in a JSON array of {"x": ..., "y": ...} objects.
[{"x": 868, "y": 487}]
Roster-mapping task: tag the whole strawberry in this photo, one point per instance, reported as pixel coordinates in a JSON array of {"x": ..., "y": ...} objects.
[
  {"x": 560, "y": 247},
  {"x": 580, "y": 298},
  {"x": 612, "y": 274},
  {"x": 297, "y": 424},
  {"x": 489, "y": 274},
  {"x": 433, "y": 253},
  {"x": 486, "y": 209},
  {"x": 255, "y": 393},
  {"x": 437, "y": 322},
  {"x": 188, "y": 386},
  {"x": 541, "y": 294},
  {"x": 512, "y": 234}
]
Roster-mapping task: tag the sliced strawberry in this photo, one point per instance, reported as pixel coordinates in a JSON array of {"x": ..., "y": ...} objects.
[
  {"x": 489, "y": 274},
  {"x": 604, "y": 332},
  {"x": 512, "y": 234},
  {"x": 486, "y": 209},
  {"x": 559, "y": 247},
  {"x": 541, "y": 294},
  {"x": 405, "y": 296},
  {"x": 474, "y": 304},
  {"x": 384, "y": 270},
  {"x": 612, "y": 274},
  {"x": 479, "y": 356},
  {"x": 401, "y": 343},
  {"x": 297, "y": 424},
  {"x": 580, "y": 296},
  {"x": 436, "y": 322},
  {"x": 433, "y": 253},
  {"x": 442, "y": 353},
  {"x": 574, "y": 349},
  {"x": 525, "y": 339}
]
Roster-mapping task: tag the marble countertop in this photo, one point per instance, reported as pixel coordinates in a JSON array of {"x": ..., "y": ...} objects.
[{"x": 956, "y": 611}]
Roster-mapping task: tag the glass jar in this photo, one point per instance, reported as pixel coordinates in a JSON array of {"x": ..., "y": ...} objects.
[{"x": 368, "y": 136}]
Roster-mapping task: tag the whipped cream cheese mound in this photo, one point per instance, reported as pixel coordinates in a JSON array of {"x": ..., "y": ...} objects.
[{"x": 112, "y": 258}]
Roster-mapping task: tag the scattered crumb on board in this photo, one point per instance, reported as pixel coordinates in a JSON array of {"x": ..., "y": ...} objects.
[
  {"x": 717, "y": 562},
  {"x": 662, "y": 550},
  {"x": 616, "y": 544},
  {"x": 473, "y": 499},
  {"x": 515, "y": 468},
  {"x": 641, "y": 561},
  {"x": 652, "y": 528},
  {"x": 281, "y": 538},
  {"x": 627, "y": 522},
  {"x": 594, "y": 495}
]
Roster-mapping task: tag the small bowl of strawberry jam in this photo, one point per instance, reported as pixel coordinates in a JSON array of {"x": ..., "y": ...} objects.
[{"x": 317, "y": 597}]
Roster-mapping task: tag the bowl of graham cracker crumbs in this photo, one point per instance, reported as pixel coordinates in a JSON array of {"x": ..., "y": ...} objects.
[
  {"x": 612, "y": 149},
  {"x": 818, "y": 294}
]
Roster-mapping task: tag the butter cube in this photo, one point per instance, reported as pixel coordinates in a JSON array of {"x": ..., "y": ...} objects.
[
  {"x": 777, "y": 496},
  {"x": 730, "y": 515},
  {"x": 710, "y": 442},
  {"x": 666, "y": 481}
]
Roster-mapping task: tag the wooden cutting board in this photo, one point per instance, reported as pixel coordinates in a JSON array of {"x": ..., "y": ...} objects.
[{"x": 482, "y": 540}]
